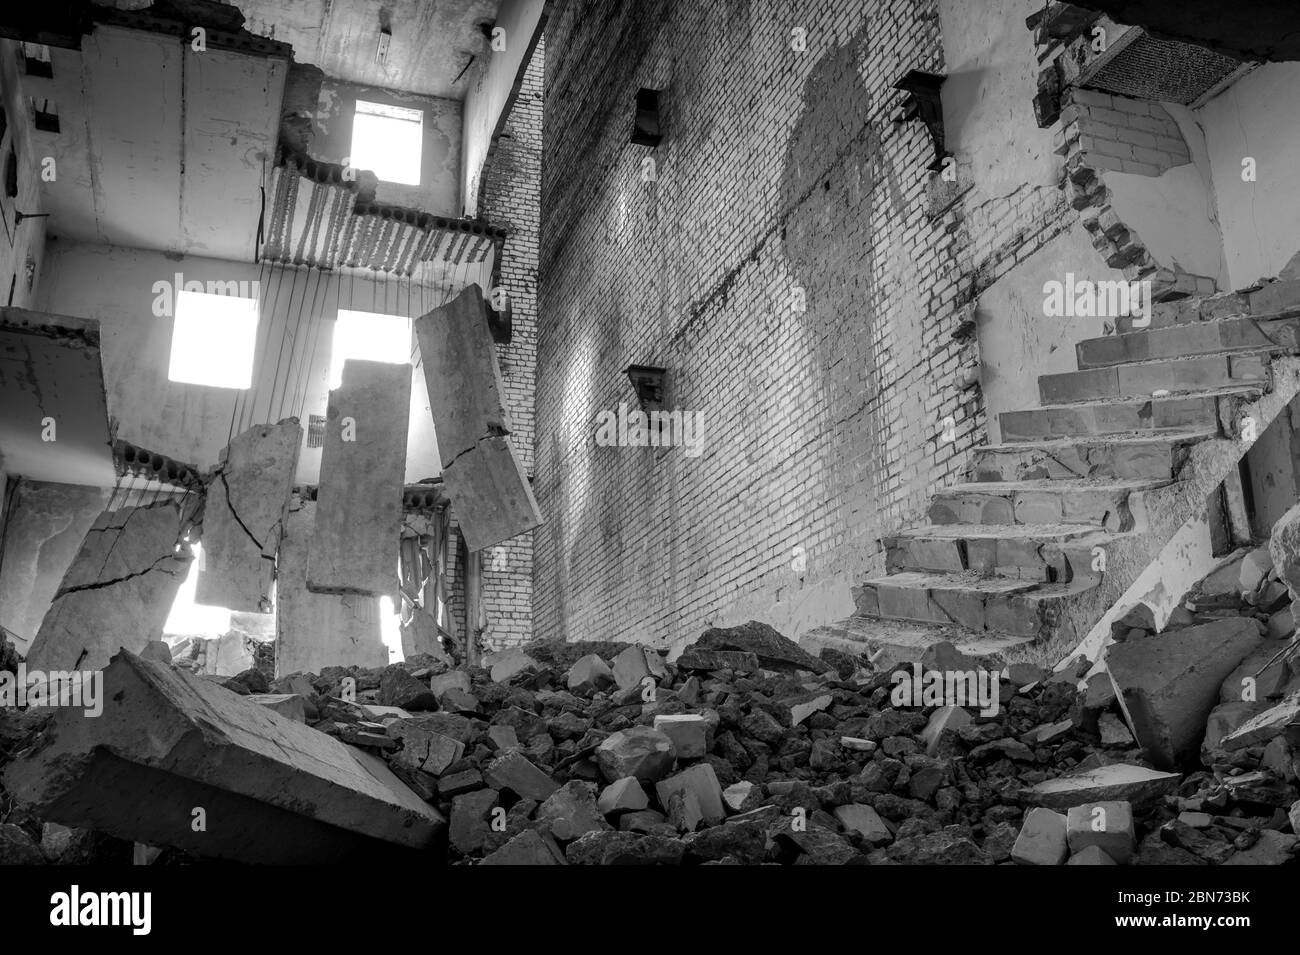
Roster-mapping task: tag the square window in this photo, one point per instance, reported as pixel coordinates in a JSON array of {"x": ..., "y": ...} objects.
[
  {"x": 368, "y": 336},
  {"x": 213, "y": 340},
  {"x": 387, "y": 141}
]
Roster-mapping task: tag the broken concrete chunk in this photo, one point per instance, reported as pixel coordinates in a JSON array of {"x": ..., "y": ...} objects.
[
  {"x": 707, "y": 660},
  {"x": 530, "y": 847},
  {"x": 157, "y": 651},
  {"x": 1117, "y": 781},
  {"x": 491, "y": 493},
  {"x": 1170, "y": 682},
  {"x": 623, "y": 795},
  {"x": 1114, "y": 732},
  {"x": 1225, "y": 719},
  {"x": 1284, "y": 549},
  {"x": 630, "y": 667},
  {"x": 440, "y": 683},
  {"x": 508, "y": 664},
  {"x": 1106, "y": 825},
  {"x": 171, "y": 741},
  {"x": 1047, "y": 733},
  {"x": 355, "y": 541},
  {"x": 117, "y": 592},
  {"x": 741, "y": 796},
  {"x": 503, "y": 737},
  {"x": 1042, "y": 839},
  {"x": 513, "y": 771},
  {"x": 638, "y": 751},
  {"x": 398, "y": 688},
  {"x": 571, "y": 811},
  {"x": 1272, "y": 848},
  {"x": 1265, "y": 726},
  {"x": 944, "y": 718},
  {"x": 244, "y": 513},
  {"x": 289, "y": 705},
  {"x": 471, "y": 819},
  {"x": 801, "y": 711},
  {"x": 866, "y": 822},
  {"x": 699, "y": 783},
  {"x": 589, "y": 674},
  {"x": 689, "y": 733},
  {"x": 773, "y": 651},
  {"x": 1091, "y": 855}
]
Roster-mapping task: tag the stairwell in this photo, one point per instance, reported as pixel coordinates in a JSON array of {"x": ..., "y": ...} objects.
[{"x": 1057, "y": 521}]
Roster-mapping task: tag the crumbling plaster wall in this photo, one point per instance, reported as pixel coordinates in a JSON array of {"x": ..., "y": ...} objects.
[
  {"x": 1257, "y": 117},
  {"x": 781, "y": 174},
  {"x": 22, "y": 255},
  {"x": 191, "y": 423}
]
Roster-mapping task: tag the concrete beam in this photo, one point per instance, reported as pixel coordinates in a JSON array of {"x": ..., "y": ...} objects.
[
  {"x": 354, "y": 548},
  {"x": 245, "y": 509},
  {"x": 315, "y": 631},
  {"x": 118, "y": 590},
  {"x": 167, "y": 744},
  {"x": 489, "y": 491}
]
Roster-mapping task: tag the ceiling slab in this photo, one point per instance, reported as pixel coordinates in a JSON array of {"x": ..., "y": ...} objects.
[{"x": 432, "y": 42}]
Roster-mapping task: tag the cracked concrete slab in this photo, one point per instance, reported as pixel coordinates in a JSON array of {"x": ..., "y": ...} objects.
[
  {"x": 314, "y": 630},
  {"x": 272, "y": 790},
  {"x": 485, "y": 480},
  {"x": 490, "y": 494},
  {"x": 118, "y": 590},
  {"x": 354, "y": 547},
  {"x": 247, "y": 500}
]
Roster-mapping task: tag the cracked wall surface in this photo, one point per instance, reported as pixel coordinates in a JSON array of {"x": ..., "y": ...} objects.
[
  {"x": 118, "y": 590},
  {"x": 247, "y": 499}
]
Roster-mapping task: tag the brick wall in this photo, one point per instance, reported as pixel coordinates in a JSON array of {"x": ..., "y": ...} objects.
[
  {"x": 795, "y": 268},
  {"x": 509, "y": 198},
  {"x": 1123, "y": 134}
]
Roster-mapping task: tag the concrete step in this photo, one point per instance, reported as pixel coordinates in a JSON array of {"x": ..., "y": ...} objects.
[
  {"x": 1201, "y": 411},
  {"x": 893, "y": 642},
  {"x": 1182, "y": 341},
  {"x": 967, "y": 600},
  {"x": 1148, "y": 457},
  {"x": 1273, "y": 300},
  {"x": 1142, "y": 379},
  {"x": 1101, "y": 503},
  {"x": 1033, "y": 552}
]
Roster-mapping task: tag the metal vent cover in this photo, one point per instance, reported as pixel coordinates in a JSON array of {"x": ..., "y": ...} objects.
[{"x": 1169, "y": 71}]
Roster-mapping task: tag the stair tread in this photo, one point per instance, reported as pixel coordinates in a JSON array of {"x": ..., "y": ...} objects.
[
  {"x": 1233, "y": 317},
  {"x": 966, "y": 581},
  {"x": 904, "y": 634},
  {"x": 1046, "y": 484},
  {"x": 1112, "y": 400},
  {"x": 1225, "y": 352},
  {"x": 1172, "y": 436},
  {"x": 996, "y": 531}
]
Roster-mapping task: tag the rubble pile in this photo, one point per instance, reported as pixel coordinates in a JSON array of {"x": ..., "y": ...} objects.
[{"x": 745, "y": 749}]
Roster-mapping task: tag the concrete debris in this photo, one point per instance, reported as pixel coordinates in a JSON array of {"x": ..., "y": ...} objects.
[
  {"x": 1106, "y": 825},
  {"x": 1042, "y": 839},
  {"x": 117, "y": 591},
  {"x": 245, "y": 509}
]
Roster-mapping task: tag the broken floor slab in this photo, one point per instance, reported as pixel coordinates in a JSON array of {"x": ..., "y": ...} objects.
[
  {"x": 168, "y": 744},
  {"x": 118, "y": 590},
  {"x": 316, "y": 631},
  {"x": 481, "y": 470},
  {"x": 244, "y": 511},
  {"x": 354, "y": 547}
]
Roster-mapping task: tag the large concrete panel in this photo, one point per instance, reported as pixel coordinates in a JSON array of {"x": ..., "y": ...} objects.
[
  {"x": 247, "y": 500},
  {"x": 359, "y": 513},
  {"x": 118, "y": 590},
  {"x": 490, "y": 494},
  {"x": 167, "y": 744},
  {"x": 319, "y": 630}
]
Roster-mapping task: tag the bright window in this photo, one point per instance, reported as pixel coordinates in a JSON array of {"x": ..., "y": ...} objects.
[
  {"x": 387, "y": 140},
  {"x": 368, "y": 336},
  {"x": 213, "y": 340}
]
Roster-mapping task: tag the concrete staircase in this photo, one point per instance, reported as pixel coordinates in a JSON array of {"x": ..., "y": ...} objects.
[{"x": 1057, "y": 522}]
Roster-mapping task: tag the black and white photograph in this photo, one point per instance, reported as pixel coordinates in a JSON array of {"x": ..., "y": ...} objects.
[{"x": 662, "y": 434}]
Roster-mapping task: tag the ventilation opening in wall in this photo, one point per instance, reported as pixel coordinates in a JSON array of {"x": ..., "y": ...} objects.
[
  {"x": 36, "y": 60},
  {"x": 45, "y": 117},
  {"x": 387, "y": 140},
  {"x": 213, "y": 340},
  {"x": 645, "y": 127},
  {"x": 316, "y": 431}
]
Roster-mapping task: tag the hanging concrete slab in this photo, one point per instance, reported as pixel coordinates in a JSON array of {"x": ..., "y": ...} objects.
[
  {"x": 168, "y": 744},
  {"x": 485, "y": 480},
  {"x": 118, "y": 590},
  {"x": 315, "y": 631},
  {"x": 354, "y": 547},
  {"x": 247, "y": 499}
]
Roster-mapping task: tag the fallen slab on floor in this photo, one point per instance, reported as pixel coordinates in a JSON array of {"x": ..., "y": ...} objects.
[
  {"x": 118, "y": 590},
  {"x": 176, "y": 760},
  {"x": 247, "y": 499},
  {"x": 354, "y": 546}
]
